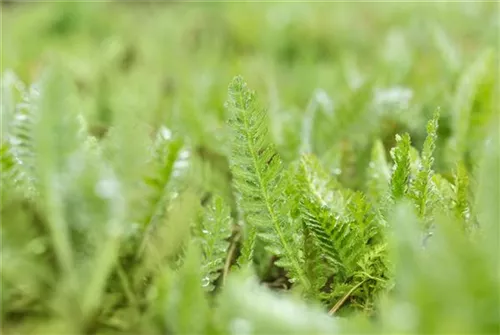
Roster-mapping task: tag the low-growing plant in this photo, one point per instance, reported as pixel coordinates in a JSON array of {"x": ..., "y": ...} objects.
[
  {"x": 94, "y": 244},
  {"x": 355, "y": 191}
]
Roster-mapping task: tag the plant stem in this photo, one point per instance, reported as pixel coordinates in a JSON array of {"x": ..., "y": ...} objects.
[{"x": 337, "y": 306}]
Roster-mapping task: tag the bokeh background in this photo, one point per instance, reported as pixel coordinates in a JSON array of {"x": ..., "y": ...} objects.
[{"x": 369, "y": 69}]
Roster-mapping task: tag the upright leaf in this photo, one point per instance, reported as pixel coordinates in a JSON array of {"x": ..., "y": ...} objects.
[
  {"x": 257, "y": 170},
  {"x": 379, "y": 175},
  {"x": 214, "y": 232},
  {"x": 422, "y": 186},
  {"x": 21, "y": 142},
  {"x": 401, "y": 170}
]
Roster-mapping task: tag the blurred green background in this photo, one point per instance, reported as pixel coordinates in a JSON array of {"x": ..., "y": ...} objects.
[{"x": 372, "y": 69}]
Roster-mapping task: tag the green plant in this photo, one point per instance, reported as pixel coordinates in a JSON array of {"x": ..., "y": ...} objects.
[
  {"x": 257, "y": 171},
  {"x": 134, "y": 201}
]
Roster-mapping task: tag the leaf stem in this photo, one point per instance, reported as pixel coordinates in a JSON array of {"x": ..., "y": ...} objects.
[{"x": 339, "y": 304}]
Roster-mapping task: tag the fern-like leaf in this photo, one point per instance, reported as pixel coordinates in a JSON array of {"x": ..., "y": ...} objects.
[
  {"x": 316, "y": 265},
  {"x": 361, "y": 213},
  {"x": 401, "y": 170},
  {"x": 214, "y": 232},
  {"x": 324, "y": 211},
  {"x": 348, "y": 232},
  {"x": 422, "y": 187},
  {"x": 248, "y": 245},
  {"x": 257, "y": 170},
  {"x": 22, "y": 145}
]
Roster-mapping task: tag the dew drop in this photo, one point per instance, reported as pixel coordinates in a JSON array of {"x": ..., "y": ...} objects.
[{"x": 205, "y": 281}]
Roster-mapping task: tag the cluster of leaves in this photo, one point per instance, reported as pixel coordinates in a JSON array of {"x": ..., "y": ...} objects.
[
  {"x": 341, "y": 217},
  {"x": 114, "y": 241}
]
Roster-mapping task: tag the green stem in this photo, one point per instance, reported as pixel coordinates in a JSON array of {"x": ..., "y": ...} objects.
[{"x": 339, "y": 304}]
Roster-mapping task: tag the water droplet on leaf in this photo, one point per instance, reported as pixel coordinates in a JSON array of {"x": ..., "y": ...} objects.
[{"x": 205, "y": 281}]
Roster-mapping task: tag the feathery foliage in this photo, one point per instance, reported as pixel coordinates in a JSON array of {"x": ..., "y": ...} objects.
[
  {"x": 322, "y": 209},
  {"x": 257, "y": 169},
  {"x": 129, "y": 204},
  {"x": 20, "y": 144},
  {"x": 213, "y": 234},
  {"x": 401, "y": 171},
  {"x": 422, "y": 186},
  {"x": 345, "y": 228}
]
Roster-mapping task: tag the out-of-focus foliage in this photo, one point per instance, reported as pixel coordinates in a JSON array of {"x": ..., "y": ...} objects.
[{"x": 145, "y": 188}]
